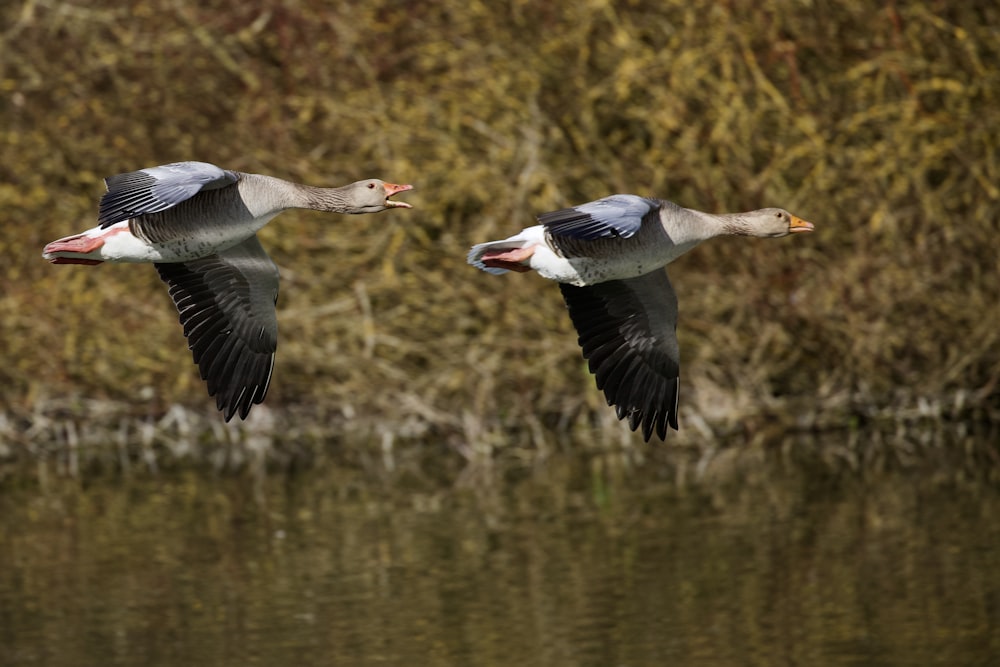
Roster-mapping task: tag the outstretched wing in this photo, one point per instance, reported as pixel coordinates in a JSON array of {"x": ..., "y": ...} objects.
[
  {"x": 627, "y": 329},
  {"x": 226, "y": 306},
  {"x": 157, "y": 189},
  {"x": 617, "y": 216}
]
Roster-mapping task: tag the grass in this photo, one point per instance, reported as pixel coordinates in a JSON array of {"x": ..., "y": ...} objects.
[{"x": 876, "y": 122}]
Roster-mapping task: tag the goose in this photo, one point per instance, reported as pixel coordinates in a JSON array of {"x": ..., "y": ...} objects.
[
  {"x": 197, "y": 224},
  {"x": 608, "y": 257}
]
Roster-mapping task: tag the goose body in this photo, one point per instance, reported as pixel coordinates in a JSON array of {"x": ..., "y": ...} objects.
[
  {"x": 198, "y": 224},
  {"x": 607, "y": 256}
]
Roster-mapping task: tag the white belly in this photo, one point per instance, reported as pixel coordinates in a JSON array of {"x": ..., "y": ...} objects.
[{"x": 580, "y": 271}]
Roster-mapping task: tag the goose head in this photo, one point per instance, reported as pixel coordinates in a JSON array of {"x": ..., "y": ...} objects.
[
  {"x": 770, "y": 223},
  {"x": 373, "y": 195}
]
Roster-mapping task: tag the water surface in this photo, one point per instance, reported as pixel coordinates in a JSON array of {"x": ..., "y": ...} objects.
[{"x": 579, "y": 562}]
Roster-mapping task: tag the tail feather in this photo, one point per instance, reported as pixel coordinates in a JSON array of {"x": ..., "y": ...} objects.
[
  {"x": 526, "y": 238},
  {"x": 73, "y": 249},
  {"x": 475, "y": 257}
]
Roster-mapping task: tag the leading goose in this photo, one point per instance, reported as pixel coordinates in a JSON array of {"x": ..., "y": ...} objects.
[
  {"x": 197, "y": 224},
  {"x": 607, "y": 256}
]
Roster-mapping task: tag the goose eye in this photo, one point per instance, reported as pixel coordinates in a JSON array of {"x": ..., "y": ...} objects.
[{"x": 371, "y": 186}]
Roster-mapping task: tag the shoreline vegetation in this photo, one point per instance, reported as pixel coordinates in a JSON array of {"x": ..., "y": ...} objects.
[
  {"x": 100, "y": 438},
  {"x": 878, "y": 123}
]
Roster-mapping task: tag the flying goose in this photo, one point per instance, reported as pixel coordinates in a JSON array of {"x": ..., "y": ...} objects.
[
  {"x": 197, "y": 224},
  {"x": 607, "y": 256}
]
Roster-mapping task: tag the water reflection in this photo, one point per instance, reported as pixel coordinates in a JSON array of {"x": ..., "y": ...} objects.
[{"x": 579, "y": 563}]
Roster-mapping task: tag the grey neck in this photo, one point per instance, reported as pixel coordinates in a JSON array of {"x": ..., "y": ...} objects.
[
  {"x": 268, "y": 195},
  {"x": 688, "y": 226},
  {"x": 336, "y": 200}
]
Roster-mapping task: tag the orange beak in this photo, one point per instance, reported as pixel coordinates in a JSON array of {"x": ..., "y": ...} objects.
[
  {"x": 391, "y": 189},
  {"x": 799, "y": 225}
]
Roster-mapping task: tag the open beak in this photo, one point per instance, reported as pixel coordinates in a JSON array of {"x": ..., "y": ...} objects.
[
  {"x": 799, "y": 225},
  {"x": 390, "y": 190}
]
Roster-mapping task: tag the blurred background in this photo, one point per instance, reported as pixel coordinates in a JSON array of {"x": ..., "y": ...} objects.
[
  {"x": 877, "y": 122},
  {"x": 434, "y": 478}
]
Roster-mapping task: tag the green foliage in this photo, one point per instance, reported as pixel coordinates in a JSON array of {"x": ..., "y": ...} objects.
[{"x": 876, "y": 122}]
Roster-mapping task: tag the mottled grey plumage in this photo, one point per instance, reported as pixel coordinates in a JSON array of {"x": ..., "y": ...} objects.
[
  {"x": 630, "y": 343},
  {"x": 197, "y": 224},
  {"x": 617, "y": 216},
  {"x": 226, "y": 305},
  {"x": 607, "y": 256},
  {"x": 158, "y": 188}
]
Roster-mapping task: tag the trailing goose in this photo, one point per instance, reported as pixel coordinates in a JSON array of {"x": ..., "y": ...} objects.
[
  {"x": 197, "y": 224},
  {"x": 607, "y": 256}
]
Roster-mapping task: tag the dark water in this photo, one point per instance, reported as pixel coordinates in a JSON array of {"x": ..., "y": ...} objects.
[{"x": 578, "y": 563}]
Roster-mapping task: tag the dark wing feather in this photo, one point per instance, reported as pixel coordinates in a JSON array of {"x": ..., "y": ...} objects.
[
  {"x": 627, "y": 331},
  {"x": 226, "y": 306},
  {"x": 157, "y": 189},
  {"x": 617, "y": 216}
]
